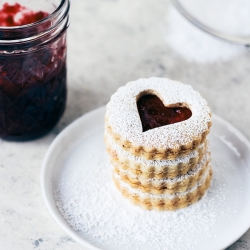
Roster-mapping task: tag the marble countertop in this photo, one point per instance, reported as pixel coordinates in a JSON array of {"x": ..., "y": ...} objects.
[{"x": 110, "y": 42}]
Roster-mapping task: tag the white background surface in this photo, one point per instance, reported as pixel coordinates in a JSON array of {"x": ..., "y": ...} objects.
[{"x": 110, "y": 43}]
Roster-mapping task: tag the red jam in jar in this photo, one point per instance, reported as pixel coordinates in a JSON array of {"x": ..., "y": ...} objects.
[
  {"x": 17, "y": 15},
  {"x": 32, "y": 70}
]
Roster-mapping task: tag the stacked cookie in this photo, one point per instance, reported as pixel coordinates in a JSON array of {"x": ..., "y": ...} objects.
[{"x": 155, "y": 134}]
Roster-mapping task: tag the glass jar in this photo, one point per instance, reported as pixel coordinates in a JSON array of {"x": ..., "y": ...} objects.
[{"x": 33, "y": 72}]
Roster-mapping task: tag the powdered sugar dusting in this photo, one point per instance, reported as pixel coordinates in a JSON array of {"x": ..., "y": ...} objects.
[
  {"x": 148, "y": 163},
  {"x": 123, "y": 117}
]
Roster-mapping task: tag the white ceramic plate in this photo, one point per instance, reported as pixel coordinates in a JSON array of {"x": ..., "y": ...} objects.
[{"x": 215, "y": 222}]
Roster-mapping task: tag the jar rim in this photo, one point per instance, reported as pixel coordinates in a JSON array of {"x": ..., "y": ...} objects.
[{"x": 47, "y": 18}]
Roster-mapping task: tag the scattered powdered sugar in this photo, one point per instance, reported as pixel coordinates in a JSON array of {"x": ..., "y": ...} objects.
[
  {"x": 202, "y": 164},
  {"x": 123, "y": 117},
  {"x": 132, "y": 190},
  {"x": 148, "y": 163},
  {"x": 87, "y": 199},
  {"x": 195, "y": 45}
]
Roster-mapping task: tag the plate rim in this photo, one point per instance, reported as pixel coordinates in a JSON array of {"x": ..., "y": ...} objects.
[{"x": 68, "y": 129}]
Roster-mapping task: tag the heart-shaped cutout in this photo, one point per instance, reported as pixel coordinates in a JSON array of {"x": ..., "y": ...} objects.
[{"x": 154, "y": 114}]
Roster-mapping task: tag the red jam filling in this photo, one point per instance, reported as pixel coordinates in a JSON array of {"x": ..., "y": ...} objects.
[
  {"x": 154, "y": 114},
  {"x": 17, "y": 15}
]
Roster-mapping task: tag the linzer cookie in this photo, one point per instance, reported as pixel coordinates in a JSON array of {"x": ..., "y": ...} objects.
[
  {"x": 179, "y": 183},
  {"x": 175, "y": 128},
  {"x": 155, "y": 134},
  {"x": 164, "y": 201},
  {"x": 156, "y": 169}
]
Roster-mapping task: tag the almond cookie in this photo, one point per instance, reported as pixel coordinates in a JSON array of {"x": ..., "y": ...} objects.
[
  {"x": 158, "y": 133},
  {"x": 164, "y": 201},
  {"x": 165, "y": 186},
  {"x": 157, "y": 169}
]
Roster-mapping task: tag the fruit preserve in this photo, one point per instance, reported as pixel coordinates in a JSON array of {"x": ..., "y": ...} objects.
[
  {"x": 32, "y": 67},
  {"x": 154, "y": 114}
]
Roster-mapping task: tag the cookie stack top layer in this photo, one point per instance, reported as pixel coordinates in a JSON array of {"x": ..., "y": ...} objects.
[{"x": 166, "y": 142}]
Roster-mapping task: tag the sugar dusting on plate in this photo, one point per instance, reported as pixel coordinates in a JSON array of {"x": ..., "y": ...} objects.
[{"x": 88, "y": 201}]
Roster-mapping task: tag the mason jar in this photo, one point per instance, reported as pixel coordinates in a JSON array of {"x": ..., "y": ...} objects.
[{"x": 33, "y": 72}]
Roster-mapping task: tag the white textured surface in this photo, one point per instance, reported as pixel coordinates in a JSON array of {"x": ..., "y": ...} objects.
[
  {"x": 195, "y": 45},
  {"x": 111, "y": 42}
]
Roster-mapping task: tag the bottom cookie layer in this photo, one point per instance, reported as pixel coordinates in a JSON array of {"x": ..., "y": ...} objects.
[{"x": 165, "y": 201}]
